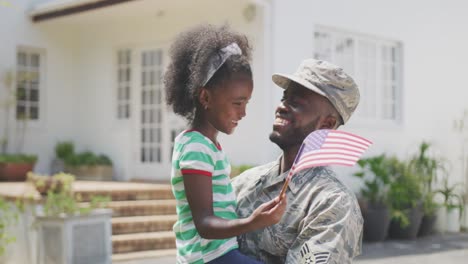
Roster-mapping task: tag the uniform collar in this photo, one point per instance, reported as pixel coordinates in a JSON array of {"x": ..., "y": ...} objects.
[{"x": 273, "y": 177}]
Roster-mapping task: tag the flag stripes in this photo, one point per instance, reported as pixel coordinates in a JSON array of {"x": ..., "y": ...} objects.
[{"x": 329, "y": 147}]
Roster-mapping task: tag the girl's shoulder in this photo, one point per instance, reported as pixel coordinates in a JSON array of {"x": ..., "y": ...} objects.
[{"x": 194, "y": 139}]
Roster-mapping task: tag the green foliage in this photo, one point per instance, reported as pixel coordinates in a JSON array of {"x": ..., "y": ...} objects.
[
  {"x": 17, "y": 158},
  {"x": 427, "y": 168},
  {"x": 401, "y": 216},
  {"x": 66, "y": 152},
  {"x": 60, "y": 199},
  {"x": 104, "y": 160},
  {"x": 64, "y": 149},
  {"x": 375, "y": 188},
  {"x": 452, "y": 198},
  {"x": 8, "y": 217},
  {"x": 236, "y": 170},
  {"x": 405, "y": 191}
]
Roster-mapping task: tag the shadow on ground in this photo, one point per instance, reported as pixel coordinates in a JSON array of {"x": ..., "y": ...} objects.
[{"x": 425, "y": 245}]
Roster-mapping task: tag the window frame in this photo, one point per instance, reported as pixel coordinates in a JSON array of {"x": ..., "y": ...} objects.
[
  {"x": 42, "y": 87},
  {"x": 358, "y": 38},
  {"x": 127, "y": 101}
]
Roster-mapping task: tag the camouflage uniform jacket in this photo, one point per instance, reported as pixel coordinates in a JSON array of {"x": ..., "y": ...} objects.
[{"x": 322, "y": 222}]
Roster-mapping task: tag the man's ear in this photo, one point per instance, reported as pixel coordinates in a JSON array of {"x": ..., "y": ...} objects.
[{"x": 329, "y": 122}]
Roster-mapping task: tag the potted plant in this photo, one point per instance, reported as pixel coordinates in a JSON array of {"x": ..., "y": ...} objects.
[
  {"x": 85, "y": 165},
  {"x": 375, "y": 209},
  {"x": 406, "y": 200},
  {"x": 452, "y": 208},
  {"x": 14, "y": 167},
  {"x": 88, "y": 166},
  {"x": 427, "y": 168},
  {"x": 67, "y": 231},
  {"x": 63, "y": 150}
]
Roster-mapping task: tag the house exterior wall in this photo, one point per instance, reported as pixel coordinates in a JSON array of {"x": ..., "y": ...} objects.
[
  {"x": 434, "y": 38},
  {"x": 57, "y": 104}
]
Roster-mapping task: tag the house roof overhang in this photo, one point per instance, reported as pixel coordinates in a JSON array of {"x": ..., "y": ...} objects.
[{"x": 60, "y": 8}]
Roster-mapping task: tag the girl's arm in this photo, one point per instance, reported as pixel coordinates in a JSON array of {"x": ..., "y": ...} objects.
[{"x": 198, "y": 190}]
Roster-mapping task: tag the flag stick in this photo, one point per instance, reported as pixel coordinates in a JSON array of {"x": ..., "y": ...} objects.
[{"x": 291, "y": 172}]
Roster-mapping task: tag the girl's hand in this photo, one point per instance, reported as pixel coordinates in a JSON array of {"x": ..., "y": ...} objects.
[{"x": 268, "y": 213}]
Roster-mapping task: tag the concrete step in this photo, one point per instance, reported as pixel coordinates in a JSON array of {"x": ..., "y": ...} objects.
[
  {"x": 142, "y": 207},
  {"x": 140, "y": 224},
  {"x": 140, "y": 255},
  {"x": 142, "y": 242},
  {"x": 119, "y": 191}
]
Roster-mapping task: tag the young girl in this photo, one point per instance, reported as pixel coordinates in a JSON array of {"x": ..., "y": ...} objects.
[{"x": 209, "y": 82}]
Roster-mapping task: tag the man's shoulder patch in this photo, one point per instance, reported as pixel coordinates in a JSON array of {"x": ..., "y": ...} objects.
[{"x": 310, "y": 257}]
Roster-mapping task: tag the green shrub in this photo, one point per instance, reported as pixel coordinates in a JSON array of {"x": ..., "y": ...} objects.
[
  {"x": 66, "y": 152},
  {"x": 60, "y": 199},
  {"x": 8, "y": 216},
  {"x": 17, "y": 158},
  {"x": 405, "y": 191},
  {"x": 64, "y": 149},
  {"x": 236, "y": 170},
  {"x": 376, "y": 173}
]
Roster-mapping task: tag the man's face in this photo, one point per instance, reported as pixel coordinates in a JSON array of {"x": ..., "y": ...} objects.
[{"x": 300, "y": 112}]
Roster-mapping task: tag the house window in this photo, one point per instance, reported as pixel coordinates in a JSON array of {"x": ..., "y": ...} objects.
[
  {"x": 28, "y": 84},
  {"x": 375, "y": 65},
  {"x": 152, "y": 106},
  {"x": 124, "y": 60}
]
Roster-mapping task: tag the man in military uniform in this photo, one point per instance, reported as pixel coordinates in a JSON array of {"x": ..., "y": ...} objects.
[{"x": 323, "y": 222}]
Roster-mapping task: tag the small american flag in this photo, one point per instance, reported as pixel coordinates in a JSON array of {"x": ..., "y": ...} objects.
[{"x": 328, "y": 147}]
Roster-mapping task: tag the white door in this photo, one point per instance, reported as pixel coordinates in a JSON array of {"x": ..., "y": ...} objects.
[{"x": 151, "y": 140}]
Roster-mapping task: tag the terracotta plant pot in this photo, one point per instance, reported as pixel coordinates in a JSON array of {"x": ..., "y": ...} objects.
[{"x": 15, "y": 171}]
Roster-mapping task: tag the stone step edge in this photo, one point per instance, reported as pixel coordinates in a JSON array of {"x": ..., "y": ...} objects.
[
  {"x": 138, "y": 255},
  {"x": 143, "y": 219},
  {"x": 143, "y": 236},
  {"x": 142, "y": 224}
]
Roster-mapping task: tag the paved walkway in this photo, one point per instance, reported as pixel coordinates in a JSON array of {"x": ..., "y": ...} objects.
[{"x": 447, "y": 248}]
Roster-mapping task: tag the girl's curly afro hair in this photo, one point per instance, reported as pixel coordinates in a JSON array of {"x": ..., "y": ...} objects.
[{"x": 190, "y": 54}]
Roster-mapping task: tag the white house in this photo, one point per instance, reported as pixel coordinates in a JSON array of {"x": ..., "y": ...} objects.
[{"x": 100, "y": 64}]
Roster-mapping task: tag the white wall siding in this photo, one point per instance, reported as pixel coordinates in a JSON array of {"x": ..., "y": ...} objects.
[
  {"x": 434, "y": 60},
  {"x": 57, "y": 119}
]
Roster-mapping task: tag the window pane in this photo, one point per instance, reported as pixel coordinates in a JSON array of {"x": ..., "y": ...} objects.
[
  {"x": 33, "y": 112},
  {"x": 127, "y": 74},
  {"x": 120, "y": 94},
  {"x": 21, "y": 57},
  {"x": 128, "y": 57},
  {"x": 127, "y": 93},
  {"x": 35, "y": 60},
  {"x": 21, "y": 94},
  {"x": 34, "y": 95},
  {"x": 142, "y": 155},
  {"x": 151, "y": 154},
  {"x": 127, "y": 111},
  {"x": 143, "y": 78},
  {"x": 20, "y": 112}
]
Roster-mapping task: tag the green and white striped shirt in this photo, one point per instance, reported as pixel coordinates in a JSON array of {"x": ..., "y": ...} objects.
[{"x": 196, "y": 154}]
